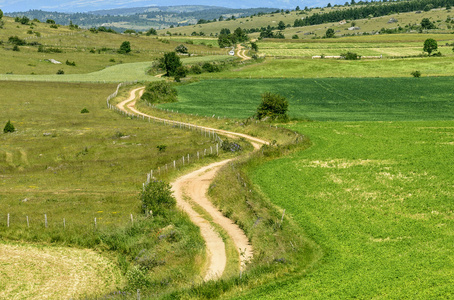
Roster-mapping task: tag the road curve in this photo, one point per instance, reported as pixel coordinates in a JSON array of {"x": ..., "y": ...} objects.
[{"x": 194, "y": 186}]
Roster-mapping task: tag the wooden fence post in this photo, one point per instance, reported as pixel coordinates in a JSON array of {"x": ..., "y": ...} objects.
[
  {"x": 28, "y": 224},
  {"x": 45, "y": 220},
  {"x": 7, "y": 222}
]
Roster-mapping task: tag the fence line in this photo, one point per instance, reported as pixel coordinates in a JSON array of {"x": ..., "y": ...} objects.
[
  {"x": 185, "y": 159},
  {"x": 45, "y": 222}
]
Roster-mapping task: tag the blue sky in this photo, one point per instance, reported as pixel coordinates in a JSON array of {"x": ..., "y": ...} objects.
[{"x": 89, "y": 5}]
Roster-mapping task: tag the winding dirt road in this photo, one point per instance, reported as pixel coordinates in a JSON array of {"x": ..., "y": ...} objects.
[
  {"x": 241, "y": 53},
  {"x": 192, "y": 188}
]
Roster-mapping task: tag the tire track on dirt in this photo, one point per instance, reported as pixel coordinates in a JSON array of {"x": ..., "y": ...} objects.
[{"x": 195, "y": 186}]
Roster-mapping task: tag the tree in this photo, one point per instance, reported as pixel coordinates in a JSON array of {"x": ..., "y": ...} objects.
[
  {"x": 256, "y": 48},
  {"x": 240, "y": 35},
  {"x": 157, "y": 197},
  {"x": 1, "y": 14},
  {"x": 9, "y": 127},
  {"x": 329, "y": 33},
  {"x": 430, "y": 45},
  {"x": 171, "y": 62},
  {"x": 297, "y": 8},
  {"x": 427, "y": 24},
  {"x": 273, "y": 106},
  {"x": 180, "y": 72},
  {"x": 152, "y": 31},
  {"x": 125, "y": 48},
  {"x": 281, "y": 25}
]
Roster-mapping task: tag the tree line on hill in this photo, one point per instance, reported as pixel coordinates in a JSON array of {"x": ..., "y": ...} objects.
[{"x": 372, "y": 10}]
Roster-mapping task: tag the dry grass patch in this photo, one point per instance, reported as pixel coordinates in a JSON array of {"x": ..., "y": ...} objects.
[{"x": 38, "y": 272}]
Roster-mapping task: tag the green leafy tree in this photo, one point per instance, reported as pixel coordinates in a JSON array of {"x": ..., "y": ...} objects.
[
  {"x": 152, "y": 31},
  {"x": 157, "y": 197},
  {"x": 171, "y": 62},
  {"x": 125, "y": 48},
  {"x": 254, "y": 47},
  {"x": 240, "y": 35},
  {"x": 430, "y": 45},
  {"x": 427, "y": 24},
  {"x": 9, "y": 127},
  {"x": 273, "y": 106},
  {"x": 281, "y": 25},
  {"x": 180, "y": 72},
  {"x": 1, "y": 14},
  {"x": 416, "y": 74},
  {"x": 329, "y": 33}
]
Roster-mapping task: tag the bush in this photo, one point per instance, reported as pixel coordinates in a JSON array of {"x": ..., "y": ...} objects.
[
  {"x": 230, "y": 146},
  {"x": 160, "y": 92},
  {"x": 84, "y": 111},
  {"x": 125, "y": 48},
  {"x": 350, "y": 56},
  {"x": 60, "y": 72},
  {"x": 210, "y": 68},
  {"x": 180, "y": 72},
  {"x": 9, "y": 127},
  {"x": 152, "y": 31},
  {"x": 273, "y": 106},
  {"x": 157, "y": 197},
  {"x": 416, "y": 74},
  {"x": 181, "y": 49},
  {"x": 15, "y": 40},
  {"x": 161, "y": 148},
  {"x": 71, "y": 63},
  {"x": 16, "y": 48},
  {"x": 196, "y": 69}
]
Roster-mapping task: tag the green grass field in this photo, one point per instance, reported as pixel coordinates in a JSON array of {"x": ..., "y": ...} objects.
[
  {"x": 377, "y": 196},
  {"x": 337, "y": 99}
]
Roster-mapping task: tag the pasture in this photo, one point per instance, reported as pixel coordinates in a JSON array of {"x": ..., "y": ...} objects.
[
  {"x": 82, "y": 173},
  {"x": 333, "y": 99},
  {"x": 385, "y": 45},
  {"x": 89, "y": 51},
  {"x": 377, "y": 197}
]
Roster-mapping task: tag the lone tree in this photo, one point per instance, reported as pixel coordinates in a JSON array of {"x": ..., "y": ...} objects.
[
  {"x": 329, "y": 33},
  {"x": 430, "y": 45},
  {"x": 273, "y": 106},
  {"x": 125, "y": 48},
  {"x": 171, "y": 62},
  {"x": 9, "y": 127}
]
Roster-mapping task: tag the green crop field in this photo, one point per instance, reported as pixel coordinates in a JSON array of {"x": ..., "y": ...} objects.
[
  {"x": 377, "y": 196},
  {"x": 338, "y": 99}
]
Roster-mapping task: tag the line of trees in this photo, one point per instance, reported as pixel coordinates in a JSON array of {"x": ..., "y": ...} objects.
[
  {"x": 375, "y": 10},
  {"x": 228, "y": 39}
]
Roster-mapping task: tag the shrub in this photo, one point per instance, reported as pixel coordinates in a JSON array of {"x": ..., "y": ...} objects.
[
  {"x": 54, "y": 26},
  {"x": 350, "y": 56},
  {"x": 16, "y": 48},
  {"x": 84, "y": 111},
  {"x": 196, "y": 69},
  {"x": 60, "y": 72},
  {"x": 230, "y": 146},
  {"x": 161, "y": 148},
  {"x": 9, "y": 127},
  {"x": 71, "y": 63},
  {"x": 160, "y": 92},
  {"x": 157, "y": 197},
  {"x": 181, "y": 49},
  {"x": 273, "y": 106},
  {"x": 416, "y": 74},
  {"x": 152, "y": 31},
  {"x": 210, "y": 67},
  {"x": 330, "y": 33},
  {"x": 125, "y": 48},
  {"x": 180, "y": 72},
  {"x": 15, "y": 40}
]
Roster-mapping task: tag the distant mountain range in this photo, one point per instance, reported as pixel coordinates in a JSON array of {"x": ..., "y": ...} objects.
[{"x": 142, "y": 18}]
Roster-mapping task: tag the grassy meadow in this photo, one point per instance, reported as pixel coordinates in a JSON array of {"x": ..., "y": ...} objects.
[
  {"x": 335, "y": 99},
  {"x": 377, "y": 197},
  {"x": 89, "y": 51},
  {"x": 85, "y": 173}
]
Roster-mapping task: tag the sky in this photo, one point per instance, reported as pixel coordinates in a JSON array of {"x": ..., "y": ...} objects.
[{"x": 90, "y": 5}]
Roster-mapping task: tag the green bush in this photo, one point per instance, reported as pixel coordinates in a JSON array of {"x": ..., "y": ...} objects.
[
  {"x": 350, "y": 56},
  {"x": 160, "y": 92},
  {"x": 416, "y": 74},
  {"x": 125, "y": 48},
  {"x": 273, "y": 106},
  {"x": 84, "y": 111},
  {"x": 157, "y": 197},
  {"x": 9, "y": 127}
]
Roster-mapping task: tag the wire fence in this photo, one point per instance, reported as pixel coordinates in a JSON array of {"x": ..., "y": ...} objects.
[{"x": 185, "y": 160}]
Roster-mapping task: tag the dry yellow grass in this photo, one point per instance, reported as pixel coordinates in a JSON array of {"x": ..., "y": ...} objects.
[{"x": 43, "y": 272}]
